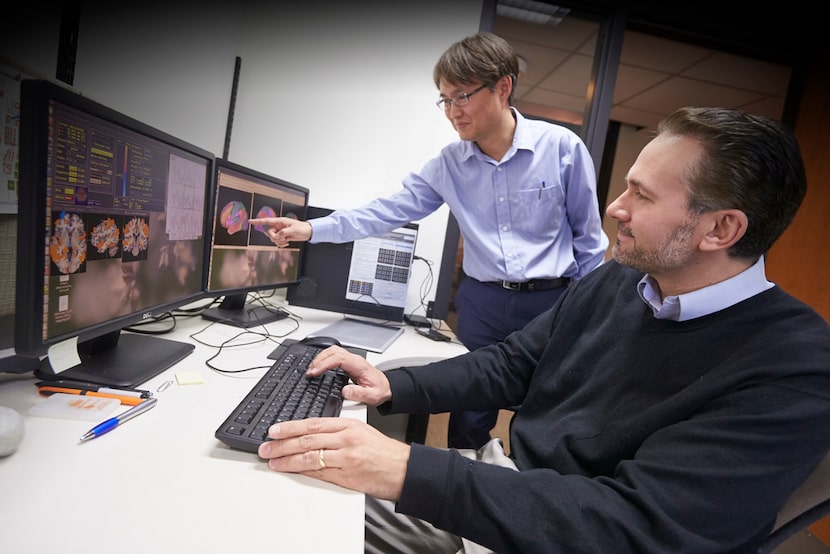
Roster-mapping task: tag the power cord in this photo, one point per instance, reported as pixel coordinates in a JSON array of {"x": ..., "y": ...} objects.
[{"x": 425, "y": 288}]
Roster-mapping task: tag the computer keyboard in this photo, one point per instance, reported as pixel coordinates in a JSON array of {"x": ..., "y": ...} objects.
[{"x": 282, "y": 394}]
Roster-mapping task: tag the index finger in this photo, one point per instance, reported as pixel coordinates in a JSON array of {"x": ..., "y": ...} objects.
[
  {"x": 325, "y": 360},
  {"x": 330, "y": 358}
]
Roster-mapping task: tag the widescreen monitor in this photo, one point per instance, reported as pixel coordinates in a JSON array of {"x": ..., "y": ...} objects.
[
  {"x": 111, "y": 232},
  {"x": 368, "y": 278},
  {"x": 241, "y": 257}
]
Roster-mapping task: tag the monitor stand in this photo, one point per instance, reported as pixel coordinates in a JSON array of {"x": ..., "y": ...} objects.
[
  {"x": 120, "y": 360},
  {"x": 234, "y": 310}
]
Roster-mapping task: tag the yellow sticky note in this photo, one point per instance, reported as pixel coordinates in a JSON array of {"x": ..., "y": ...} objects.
[{"x": 189, "y": 378}]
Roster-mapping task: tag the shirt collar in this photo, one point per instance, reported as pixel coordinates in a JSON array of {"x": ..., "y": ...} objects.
[
  {"x": 707, "y": 300},
  {"x": 522, "y": 140}
]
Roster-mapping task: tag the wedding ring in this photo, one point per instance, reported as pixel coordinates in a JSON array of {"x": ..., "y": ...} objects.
[{"x": 322, "y": 459}]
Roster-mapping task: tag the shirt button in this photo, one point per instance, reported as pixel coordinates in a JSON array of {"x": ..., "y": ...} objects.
[
  {"x": 501, "y": 198},
  {"x": 498, "y": 169},
  {"x": 504, "y": 228}
]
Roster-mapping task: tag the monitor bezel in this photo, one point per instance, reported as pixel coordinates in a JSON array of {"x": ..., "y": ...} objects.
[{"x": 36, "y": 95}]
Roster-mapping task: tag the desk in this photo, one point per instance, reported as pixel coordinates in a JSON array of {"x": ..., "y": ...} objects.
[{"x": 163, "y": 483}]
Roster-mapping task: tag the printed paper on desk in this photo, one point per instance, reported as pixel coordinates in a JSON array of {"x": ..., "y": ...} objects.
[
  {"x": 64, "y": 355},
  {"x": 73, "y": 406}
]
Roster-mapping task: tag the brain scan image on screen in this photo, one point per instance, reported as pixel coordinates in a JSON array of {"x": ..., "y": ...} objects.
[
  {"x": 136, "y": 238},
  {"x": 67, "y": 247},
  {"x": 105, "y": 237},
  {"x": 265, "y": 211},
  {"x": 234, "y": 217}
]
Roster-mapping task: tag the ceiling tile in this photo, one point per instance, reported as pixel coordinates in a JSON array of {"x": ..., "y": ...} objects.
[
  {"x": 656, "y": 75},
  {"x": 540, "y": 60},
  {"x": 633, "y": 80},
  {"x": 571, "y": 34},
  {"x": 678, "y": 92},
  {"x": 770, "y": 106},
  {"x": 740, "y": 72},
  {"x": 651, "y": 52},
  {"x": 571, "y": 76},
  {"x": 550, "y": 113},
  {"x": 639, "y": 118},
  {"x": 556, "y": 99}
]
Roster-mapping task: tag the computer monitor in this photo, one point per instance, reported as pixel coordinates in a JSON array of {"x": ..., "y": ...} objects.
[
  {"x": 367, "y": 278},
  {"x": 111, "y": 232},
  {"x": 241, "y": 257}
]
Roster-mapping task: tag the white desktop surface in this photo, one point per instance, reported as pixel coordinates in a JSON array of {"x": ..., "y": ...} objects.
[{"x": 162, "y": 482}]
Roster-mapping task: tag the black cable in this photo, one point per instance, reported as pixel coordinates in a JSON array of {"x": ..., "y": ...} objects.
[
  {"x": 267, "y": 336},
  {"x": 136, "y": 327},
  {"x": 424, "y": 289}
]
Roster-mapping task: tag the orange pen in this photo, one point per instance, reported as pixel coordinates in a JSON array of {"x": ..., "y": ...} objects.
[{"x": 128, "y": 400}]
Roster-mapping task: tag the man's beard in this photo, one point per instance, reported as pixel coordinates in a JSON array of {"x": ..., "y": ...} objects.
[{"x": 671, "y": 254}]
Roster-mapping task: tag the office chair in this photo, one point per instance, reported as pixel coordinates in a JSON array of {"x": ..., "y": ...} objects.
[
  {"x": 809, "y": 503},
  {"x": 415, "y": 425}
]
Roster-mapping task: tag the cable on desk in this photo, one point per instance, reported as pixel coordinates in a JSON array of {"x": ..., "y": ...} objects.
[
  {"x": 267, "y": 336},
  {"x": 196, "y": 310}
]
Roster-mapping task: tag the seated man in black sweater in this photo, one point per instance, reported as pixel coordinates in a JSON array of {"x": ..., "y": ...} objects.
[{"x": 671, "y": 400}]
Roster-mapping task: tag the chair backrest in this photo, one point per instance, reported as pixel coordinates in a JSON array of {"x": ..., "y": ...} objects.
[{"x": 809, "y": 503}]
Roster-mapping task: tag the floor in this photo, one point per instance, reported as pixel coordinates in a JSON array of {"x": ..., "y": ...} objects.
[{"x": 802, "y": 543}]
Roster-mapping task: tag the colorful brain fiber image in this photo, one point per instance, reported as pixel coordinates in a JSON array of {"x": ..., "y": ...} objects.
[
  {"x": 136, "y": 236},
  {"x": 265, "y": 211},
  {"x": 234, "y": 217},
  {"x": 105, "y": 237},
  {"x": 67, "y": 247}
]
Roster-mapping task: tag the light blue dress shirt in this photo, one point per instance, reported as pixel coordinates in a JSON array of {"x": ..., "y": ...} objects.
[
  {"x": 532, "y": 215},
  {"x": 707, "y": 300}
]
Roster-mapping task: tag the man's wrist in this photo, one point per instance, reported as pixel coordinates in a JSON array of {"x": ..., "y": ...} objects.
[{"x": 310, "y": 230}]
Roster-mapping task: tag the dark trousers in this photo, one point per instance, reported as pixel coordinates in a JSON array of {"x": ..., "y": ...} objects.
[{"x": 487, "y": 313}]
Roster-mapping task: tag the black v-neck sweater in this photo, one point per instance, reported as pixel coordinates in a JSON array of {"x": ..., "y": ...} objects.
[{"x": 635, "y": 434}]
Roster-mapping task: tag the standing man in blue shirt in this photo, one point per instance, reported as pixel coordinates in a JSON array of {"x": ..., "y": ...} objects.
[{"x": 524, "y": 195}]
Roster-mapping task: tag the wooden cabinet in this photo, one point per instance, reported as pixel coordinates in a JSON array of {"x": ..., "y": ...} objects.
[{"x": 800, "y": 260}]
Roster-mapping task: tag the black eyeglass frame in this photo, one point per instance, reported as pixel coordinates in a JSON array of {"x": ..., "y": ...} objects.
[{"x": 459, "y": 101}]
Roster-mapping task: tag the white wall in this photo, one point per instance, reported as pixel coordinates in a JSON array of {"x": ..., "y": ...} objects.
[
  {"x": 337, "y": 98},
  {"x": 341, "y": 100}
]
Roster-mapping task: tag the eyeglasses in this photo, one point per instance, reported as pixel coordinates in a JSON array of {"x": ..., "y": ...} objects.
[{"x": 459, "y": 101}]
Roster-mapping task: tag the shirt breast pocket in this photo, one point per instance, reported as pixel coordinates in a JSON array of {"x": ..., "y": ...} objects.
[{"x": 539, "y": 210}]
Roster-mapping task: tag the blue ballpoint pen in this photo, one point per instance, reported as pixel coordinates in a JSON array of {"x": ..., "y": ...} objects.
[{"x": 114, "y": 422}]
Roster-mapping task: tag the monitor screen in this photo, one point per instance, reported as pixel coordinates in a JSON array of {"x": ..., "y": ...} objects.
[
  {"x": 367, "y": 278},
  {"x": 111, "y": 232},
  {"x": 241, "y": 257}
]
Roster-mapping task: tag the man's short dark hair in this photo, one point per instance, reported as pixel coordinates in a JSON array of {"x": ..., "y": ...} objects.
[
  {"x": 750, "y": 163},
  {"x": 481, "y": 58}
]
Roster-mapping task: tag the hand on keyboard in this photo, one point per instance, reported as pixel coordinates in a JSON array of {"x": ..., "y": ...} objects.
[
  {"x": 370, "y": 386},
  {"x": 343, "y": 451}
]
